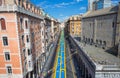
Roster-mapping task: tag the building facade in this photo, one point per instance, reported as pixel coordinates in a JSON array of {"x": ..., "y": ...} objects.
[
  {"x": 95, "y": 23},
  {"x": 118, "y": 29},
  {"x": 95, "y": 63},
  {"x": 90, "y": 7},
  {"x": 100, "y": 4},
  {"x": 22, "y": 39},
  {"x": 73, "y": 25}
]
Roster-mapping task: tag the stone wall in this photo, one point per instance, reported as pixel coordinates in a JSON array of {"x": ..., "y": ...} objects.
[{"x": 100, "y": 30}]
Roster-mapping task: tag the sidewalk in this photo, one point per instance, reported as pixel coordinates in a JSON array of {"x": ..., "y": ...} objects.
[{"x": 98, "y": 55}]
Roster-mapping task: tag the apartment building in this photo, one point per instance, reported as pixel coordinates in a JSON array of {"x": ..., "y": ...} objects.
[
  {"x": 48, "y": 34},
  {"x": 21, "y": 35},
  {"x": 74, "y": 25},
  {"x": 55, "y": 28}
]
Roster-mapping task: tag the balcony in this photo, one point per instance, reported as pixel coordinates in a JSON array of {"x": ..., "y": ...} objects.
[
  {"x": 27, "y": 31},
  {"x": 15, "y": 8}
]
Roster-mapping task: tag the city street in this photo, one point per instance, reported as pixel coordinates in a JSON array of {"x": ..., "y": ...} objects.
[
  {"x": 59, "y": 38},
  {"x": 64, "y": 64}
]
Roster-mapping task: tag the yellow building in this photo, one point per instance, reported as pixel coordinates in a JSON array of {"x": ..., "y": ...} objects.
[{"x": 74, "y": 25}]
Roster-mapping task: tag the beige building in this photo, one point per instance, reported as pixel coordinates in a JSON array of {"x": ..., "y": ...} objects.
[
  {"x": 55, "y": 28},
  {"x": 73, "y": 25}
]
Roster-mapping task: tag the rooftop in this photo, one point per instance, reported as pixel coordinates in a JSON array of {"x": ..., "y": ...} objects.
[
  {"x": 99, "y": 56},
  {"x": 104, "y": 11}
]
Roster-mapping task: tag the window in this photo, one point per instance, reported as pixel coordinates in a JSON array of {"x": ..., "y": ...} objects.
[
  {"x": 19, "y": 2},
  {"x": 90, "y": 25},
  {"x": 97, "y": 41},
  {"x": 29, "y": 52},
  {"x": 23, "y": 39},
  {"x": 9, "y": 69},
  {"x": 5, "y": 41},
  {"x": 21, "y": 22},
  {"x": 3, "y": 26},
  {"x": 113, "y": 25},
  {"x": 24, "y": 53},
  {"x": 27, "y": 38},
  {"x": 7, "y": 56},
  {"x": 104, "y": 42},
  {"x": 29, "y": 63},
  {"x": 26, "y": 5},
  {"x": 26, "y": 24}
]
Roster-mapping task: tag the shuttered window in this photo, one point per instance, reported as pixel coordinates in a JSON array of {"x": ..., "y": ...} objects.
[
  {"x": 9, "y": 69},
  {"x": 3, "y": 26},
  {"x": 7, "y": 56},
  {"x": 26, "y": 24},
  {"x": 5, "y": 41}
]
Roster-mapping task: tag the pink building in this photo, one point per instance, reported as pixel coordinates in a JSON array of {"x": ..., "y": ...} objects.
[{"x": 20, "y": 39}]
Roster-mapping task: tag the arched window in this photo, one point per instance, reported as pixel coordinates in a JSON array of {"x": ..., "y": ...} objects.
[
  {"x": 104, "y": 42},
  {"x": 26, "y": 24},
  {"x": 97, "y": 41},
  {"x": 3, "y": 26},
  {"x": 91, "y": 40},
  {"x": 88, "y": 39},
  {"x": 100, "y": 42},
  {"x": 19, "y": 2},
  {"x": 27, "y": 38}
]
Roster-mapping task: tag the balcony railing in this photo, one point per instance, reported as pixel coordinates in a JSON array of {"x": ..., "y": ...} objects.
[{"x": 16, "y": 8}]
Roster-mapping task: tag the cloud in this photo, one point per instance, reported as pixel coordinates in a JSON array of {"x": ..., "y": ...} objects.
[
  {"x": 61, "y": 15},
  {"x": 41, "y": 3},
  {"x": 82, "y": 8},
  {"x": 114, "y": 2},
  {"x": 45, "y": 4},
  {"x": 63, "y": 18},
  {"x": 64, "y": 4},
  {"x": 79, "y": 0}
]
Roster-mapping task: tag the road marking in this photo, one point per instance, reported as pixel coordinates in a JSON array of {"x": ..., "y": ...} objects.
[{"x": 60, "y": 61}]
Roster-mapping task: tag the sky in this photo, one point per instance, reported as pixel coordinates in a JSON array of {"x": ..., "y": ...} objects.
[{"x": 62, "y": 9}]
